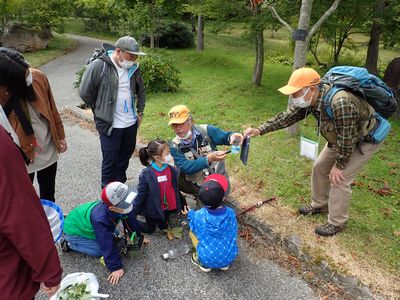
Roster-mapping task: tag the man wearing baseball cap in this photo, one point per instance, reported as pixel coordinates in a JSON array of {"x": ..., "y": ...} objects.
[
  {"x": 112, "y": 86},
  {"x": 344, "y": 154},
  {"x": 90, "y": 227},
  {"x": 194, "y": 148}
]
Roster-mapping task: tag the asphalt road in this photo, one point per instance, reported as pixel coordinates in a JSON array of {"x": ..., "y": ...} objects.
[{"x": 78, "y": 181}]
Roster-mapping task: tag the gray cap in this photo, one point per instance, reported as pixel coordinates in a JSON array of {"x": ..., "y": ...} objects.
[{"x": 129, "y": 44}]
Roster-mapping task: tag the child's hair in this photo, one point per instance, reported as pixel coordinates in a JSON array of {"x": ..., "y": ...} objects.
[{"x": 154, "y": 148}]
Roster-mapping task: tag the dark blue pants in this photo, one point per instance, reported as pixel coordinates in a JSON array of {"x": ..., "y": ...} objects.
[{"x": 117, "y": 149}]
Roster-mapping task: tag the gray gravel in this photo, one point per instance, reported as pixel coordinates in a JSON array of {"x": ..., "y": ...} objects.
[{"x": 78, "y": 181}]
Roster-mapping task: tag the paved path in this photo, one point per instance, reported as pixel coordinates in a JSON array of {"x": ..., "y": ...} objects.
[
  {"x": 151, "y": 277},
  {"x": 62, "y": 71}
]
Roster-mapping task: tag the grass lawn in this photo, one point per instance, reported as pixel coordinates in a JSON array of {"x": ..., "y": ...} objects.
[
  {"x": 58, "y": 45},
  {"x": 216, "y": 87}
]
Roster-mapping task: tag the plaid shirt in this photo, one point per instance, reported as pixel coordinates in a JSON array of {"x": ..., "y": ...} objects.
[{"x": 345, "y": 122}]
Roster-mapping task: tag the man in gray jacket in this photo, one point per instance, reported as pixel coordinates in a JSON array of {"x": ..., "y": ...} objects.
[{"x": 112, "y": 86}]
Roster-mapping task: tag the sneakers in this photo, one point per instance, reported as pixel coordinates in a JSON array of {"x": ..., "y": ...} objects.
[
  {"x": 196, "y": 262},
  {"x": 63, "y": 245},
  {"x": 329, "y": 229},
  {"x": 224, "y": 268},
  {"x": 310, "y": 210}
]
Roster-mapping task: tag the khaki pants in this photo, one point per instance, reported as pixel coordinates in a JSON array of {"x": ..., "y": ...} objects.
[{"x": 337, "y": 198}]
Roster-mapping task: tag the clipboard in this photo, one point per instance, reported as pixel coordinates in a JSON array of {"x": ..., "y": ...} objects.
[{"x": 244, "y": 153}]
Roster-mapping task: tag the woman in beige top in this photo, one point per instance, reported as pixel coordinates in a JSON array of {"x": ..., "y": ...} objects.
[{"x": 32, "y": 113}]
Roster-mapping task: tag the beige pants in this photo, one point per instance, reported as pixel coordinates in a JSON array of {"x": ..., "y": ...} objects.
[{"x": 337, "y": 198}]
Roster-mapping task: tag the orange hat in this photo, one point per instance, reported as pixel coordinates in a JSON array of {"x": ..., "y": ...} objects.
[
  {"x": 299, "y": 79},
  {"x": 178, "y": 114}
]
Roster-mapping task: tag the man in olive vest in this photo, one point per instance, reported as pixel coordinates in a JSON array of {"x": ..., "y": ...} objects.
[
  {"x": 194, "y": 149},
  {"x": 346, "y": 152}
]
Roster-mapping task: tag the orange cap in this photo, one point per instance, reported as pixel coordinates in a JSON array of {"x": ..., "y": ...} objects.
[
  {"x": 178, "y": 114},
  {"x": 299, "y": 79}
]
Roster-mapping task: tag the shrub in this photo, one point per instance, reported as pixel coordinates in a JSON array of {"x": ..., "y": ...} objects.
[
  {"x": 173, "y": 35},
  {"x": 159, "y": 75}
]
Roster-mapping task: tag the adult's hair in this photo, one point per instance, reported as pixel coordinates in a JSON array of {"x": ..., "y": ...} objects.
[
  {"x": 12, "y": 77},
  {"x": 26, "y": 92},
  {"x": 16, "y": 56},
  {"x": 154, "y": 148}
]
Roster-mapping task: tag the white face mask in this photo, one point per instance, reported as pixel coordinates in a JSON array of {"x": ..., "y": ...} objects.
[
  {"x": 300, "y": 101},
  {"x": 29, "y": 79},
  {"x": 187, "y": 135},
  {"x": 126, "y": 64}
]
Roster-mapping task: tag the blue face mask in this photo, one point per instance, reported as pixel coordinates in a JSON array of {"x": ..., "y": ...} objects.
[{"x": 155, "y": 166}]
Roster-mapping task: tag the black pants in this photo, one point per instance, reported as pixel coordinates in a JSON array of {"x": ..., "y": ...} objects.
[
  {"x": 47, "y": 181},
  {"x": 151, "y": 224},
  {"x": 117, "y": 149}
]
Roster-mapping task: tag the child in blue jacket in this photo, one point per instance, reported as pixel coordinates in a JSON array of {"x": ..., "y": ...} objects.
[
  {"x": 90, "y": 228},
  {"x": 213, "y": 228},
  {"x": 158, "y": 193}
]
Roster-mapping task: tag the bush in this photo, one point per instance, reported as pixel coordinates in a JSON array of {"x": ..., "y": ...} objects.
[
  {"x": 173, "y": 36},
  {"x": 159, "y": 75}
]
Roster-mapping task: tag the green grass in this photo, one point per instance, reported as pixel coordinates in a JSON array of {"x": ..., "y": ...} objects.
[
  {"x": 58, "y": 45},
  {"x": 216, "y": 87}
]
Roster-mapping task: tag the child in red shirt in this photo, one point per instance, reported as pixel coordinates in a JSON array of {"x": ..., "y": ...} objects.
[{"x": 158, "y": 193}]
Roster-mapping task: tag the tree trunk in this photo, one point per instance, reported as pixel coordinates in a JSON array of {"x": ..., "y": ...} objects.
[
  {"x": 259, "y": 64},
  {"x": 300, "y": 50},
  {"x": 373, "y": 45},
  {"x": 152, "y": 39},
  {"x": 200, "y": 33},
  {"x": 259, "y": 45},
  {"x": 193, "y": 23}
]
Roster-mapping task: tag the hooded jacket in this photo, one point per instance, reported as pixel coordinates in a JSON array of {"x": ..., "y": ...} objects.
[
  {"x": 147, "y": 202},
  {"x": 99, "y": 90},
  {"x": 216, "y": 231}
]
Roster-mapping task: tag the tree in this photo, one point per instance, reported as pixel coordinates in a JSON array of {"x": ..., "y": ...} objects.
[
  {"x": 373, "y": 45},
  {"x": 199, "y": 9},
  {"x": 302, "y": 36}
]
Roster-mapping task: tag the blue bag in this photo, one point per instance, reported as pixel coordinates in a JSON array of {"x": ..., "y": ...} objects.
[
  {"x": 362, "y": 84},
  {"x": 380, "y": 130}
]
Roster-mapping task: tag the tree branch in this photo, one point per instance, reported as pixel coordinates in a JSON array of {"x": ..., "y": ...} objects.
[
  {"x": 277, "y": 16},
  {"x": 323, "y": 18}
]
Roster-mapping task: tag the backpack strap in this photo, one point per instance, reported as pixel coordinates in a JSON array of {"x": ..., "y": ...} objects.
[
  {"x": 327, "y": 100},
  {"x": 203, "y": 129}
]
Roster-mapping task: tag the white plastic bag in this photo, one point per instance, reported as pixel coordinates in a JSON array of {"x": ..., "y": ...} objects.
[
  {"x": 308, "y": 148},
  {"x": 55, "y": 217},
  {"x": 88, "y": 278}
]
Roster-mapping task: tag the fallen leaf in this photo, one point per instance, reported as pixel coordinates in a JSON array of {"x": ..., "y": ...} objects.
[
  {"x": 161, "y": 114},
  {"x": 177, "y": 232},
  {"x": 387, "y": 212},
  {"x": 334, "y": 288},
  {"x": 386, "y": 190},
  {"x": 394, "y": 165},
  {"x": 294, "y": 261},
  {"x": 397, "y": 233},
  {"x": 393, "y": 172}
]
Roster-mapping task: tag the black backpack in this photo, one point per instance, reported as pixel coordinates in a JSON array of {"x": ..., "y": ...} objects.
[{"x": 362, "y": 84}]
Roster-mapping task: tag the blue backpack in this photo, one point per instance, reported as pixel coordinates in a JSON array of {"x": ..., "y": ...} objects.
[
  {"x": 366, "y": 86},
  {"x": 362, "y": 84}
]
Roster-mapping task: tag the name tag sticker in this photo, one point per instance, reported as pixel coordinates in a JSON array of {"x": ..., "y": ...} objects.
[{"x": 162, "y": 178}]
